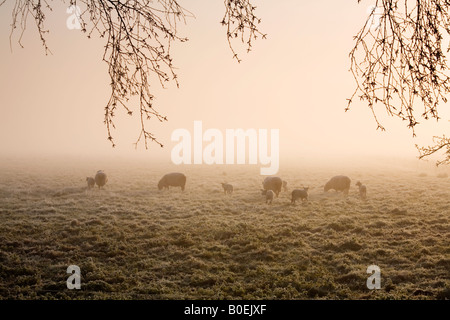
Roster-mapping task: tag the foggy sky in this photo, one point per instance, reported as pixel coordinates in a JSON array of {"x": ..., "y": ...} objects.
[{"x": 296, "y": 81}]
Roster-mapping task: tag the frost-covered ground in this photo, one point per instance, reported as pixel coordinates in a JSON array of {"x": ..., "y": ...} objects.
[{"x": 132, "y": 241}]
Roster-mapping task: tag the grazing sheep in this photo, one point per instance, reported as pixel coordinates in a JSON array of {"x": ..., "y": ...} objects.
[
  {"x": 174, "y": 179},
  {"x": 100, "y": 178},
  {"x": 272, "y": 183},
  {"x": 227, "y": 188},
  {"x": 338, "y": 183},
  {"x": 299, "y": 194},
  {"x": 269, "y": 196},
  {"x": 90, "y": 182},
  {"x": 362, "y": 190},
  {"x": 285, "y": 185}
]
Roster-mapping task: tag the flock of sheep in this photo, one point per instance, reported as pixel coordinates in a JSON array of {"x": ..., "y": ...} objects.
[
  {"x": 100, "y": 180},
  {"x": 271, "y": 185}
]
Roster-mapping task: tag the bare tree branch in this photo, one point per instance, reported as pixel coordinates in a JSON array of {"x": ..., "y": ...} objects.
[
  {"x": 24, "y": 8},
  {"x": 401, "y": 62},
  {"x": 241, "y": 23},
  {"x": 440, "y": 143},
  {"x": 139, "y": 36}
]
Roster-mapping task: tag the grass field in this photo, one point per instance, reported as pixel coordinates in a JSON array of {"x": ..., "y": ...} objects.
[{"x": 132, "y": 241}]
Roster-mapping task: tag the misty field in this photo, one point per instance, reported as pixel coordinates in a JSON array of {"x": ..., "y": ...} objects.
[{"x": 132, "y": 241}]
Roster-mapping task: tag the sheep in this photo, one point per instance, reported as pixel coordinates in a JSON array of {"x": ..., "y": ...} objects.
[
  {"x": 338, "y": 183},
  {"x": 227, "y": 188},
  {"x": 362, "y": 190},
  {"x": 269, "y": 196},
  {"x": 174, "y": 179},
  {"x": 90, "y": 182},
  {"x": 272, "y": 183},
  {"x": 299, "y": 194},
  {"x": 100, "y": 178},
  {"x": 285, "y": 185}
]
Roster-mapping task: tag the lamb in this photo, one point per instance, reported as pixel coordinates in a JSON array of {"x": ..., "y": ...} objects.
[
  {"x": 269, "y": 196},
  {"x": 227, "y": 188},
  {"x": 100, "y": 178},
  {"x": 299, "y": 194},
  {"x": 338, "y": 183},
  {"x": 285, "y": 185},
  {"x": 174, "y": 179},
  {"x": 90, "y": 182},
  {"x": 362, "y": 190},
  {"x": 272, "y": 183}
]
